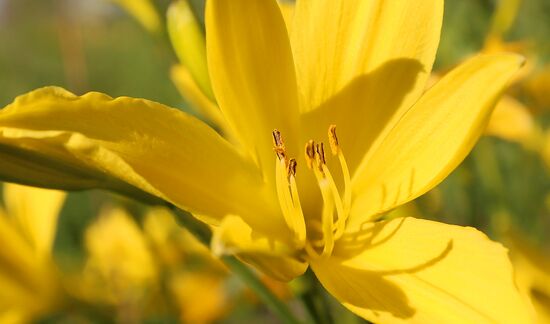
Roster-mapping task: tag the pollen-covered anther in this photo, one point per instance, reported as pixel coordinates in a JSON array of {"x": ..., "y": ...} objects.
[
  {"x": 320, "y": 156},
  {"x": 333, "y": 139},
  {"x": 279, "y": 145},
  {"x": 291, "y": 168},
  {"x": 310, "y": 153}
]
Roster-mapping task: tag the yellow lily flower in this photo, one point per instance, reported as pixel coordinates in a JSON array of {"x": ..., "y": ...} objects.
[
  {"x": 361, "y": 65},
  {"x": 29, "y": 285}
]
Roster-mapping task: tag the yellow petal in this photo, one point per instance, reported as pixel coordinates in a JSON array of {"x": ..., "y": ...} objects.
[
  {"x": 144, "y": 11},
  {"x": 28, "y": 283},
  {"x": 361, "y": 64},
  {"x": 287, "y": 9},
  {"x": 274, "y": 258},
  {"x": 35, "y": 211},
  {"x": 511, "y": 121},
  {"x": 418, "y": 271},
  {"x": 252, "y": 73},
  {"x": 433, "y": 137},
  {"x": 188, "y": 41},
  {"x": 96, "y": 141},
  {"x": 189, "y": 90},
  {"x": 337, "y": 41}
]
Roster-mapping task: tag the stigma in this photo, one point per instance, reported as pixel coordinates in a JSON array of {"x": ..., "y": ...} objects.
[{"x": 330, "y": 225}]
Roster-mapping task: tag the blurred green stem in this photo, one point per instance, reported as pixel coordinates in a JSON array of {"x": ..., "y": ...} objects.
[
  {"x": 315, "y": 301},
  {"x": 254, "y": 283},
  {"x": 203, "y": 233}
]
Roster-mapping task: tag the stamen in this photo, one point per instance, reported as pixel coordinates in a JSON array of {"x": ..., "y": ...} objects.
[
  {"x": 320, "y": 157},
  {"x": 299, "y": 220},
  {"x": 310, "y": 153},
  {"x": 291, "y": 168},
  {"x": 320, "y": 150},
  {"x": 291, "y": 210},
  {"x": 340, "y": 211},
  {"x": 278, "y": 145},
  {"x": 327, "y": 218},
  {"x": 337, "y": 150},
  {"x": 325, "y": 182},
  {"x": 333, "y": 140},
  {"x": 287, "y": 191}
]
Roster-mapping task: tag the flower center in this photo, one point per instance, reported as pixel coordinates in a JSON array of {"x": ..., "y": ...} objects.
[{"x": 336, "y": 205}]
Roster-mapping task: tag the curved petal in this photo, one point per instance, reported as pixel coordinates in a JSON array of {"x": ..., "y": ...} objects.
[
  {"x": 361, "y": 63},
  {"x": 274, "y": 258},
  {"x": 130, "y": 144},
  {"x": 433, "y": 137},
  {"x": 512, "y": 121},
  {"x": 419, "y": 271},
  {"x": 188, "y": 88},
  {"x": 252, "y": 73},
  {"x": 188, "y": 41},
  {"x": 36, "y": 211}
]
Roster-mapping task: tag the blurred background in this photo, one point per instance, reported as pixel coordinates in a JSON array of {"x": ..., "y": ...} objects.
[{"x": 502, "y": 188}]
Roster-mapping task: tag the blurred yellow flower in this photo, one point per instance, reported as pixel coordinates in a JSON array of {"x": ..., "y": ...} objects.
[
  {"x": 29, "y": 283},
  {"x": 127, "y": 266},
  {"x": 201, "y": 297},
  {"x": 120, "y": 264},
  {"x": 361, "y": 65},
  {"x": 196, "y": 278}
]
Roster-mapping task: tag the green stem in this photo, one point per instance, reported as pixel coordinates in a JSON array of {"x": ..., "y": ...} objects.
[
  {"x": 315, "y": 302},
  {"x": 248, "y": 277},
  {"x": 202, "y": 232}
]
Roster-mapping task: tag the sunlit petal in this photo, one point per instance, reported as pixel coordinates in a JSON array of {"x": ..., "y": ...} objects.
[
  {"x": 433, "y": 137},
  {"x": 252, "y": 73},
  {"x": 337, "y": 41},
  {"x": 124, "y": 144},
  {"x": 419, "y": 271},
  {"x": 361, "y": 64}
]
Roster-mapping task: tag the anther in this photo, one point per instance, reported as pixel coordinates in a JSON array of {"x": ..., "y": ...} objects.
[
  {"x": 320, "y": 155},
  {"x": 278, "y": 144},
  {"x": 310, "y": 153},
  {"x": 291, "y": 168},
  {"x": 333, "y": 139}
]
